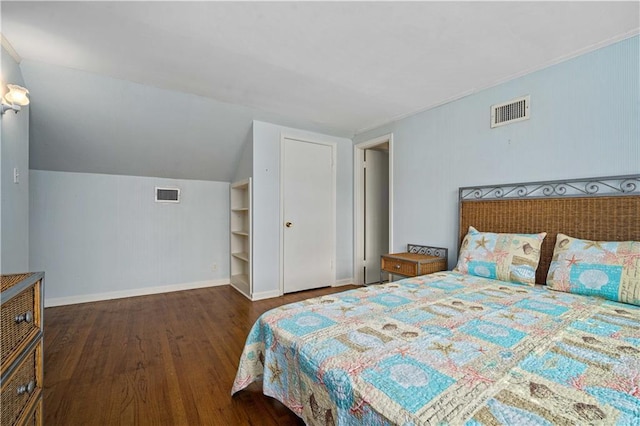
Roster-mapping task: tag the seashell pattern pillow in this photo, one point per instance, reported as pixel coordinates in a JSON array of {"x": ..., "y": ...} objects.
[
  {"x": 609, "y": 269},
  {"x": 505, "y": 257}
]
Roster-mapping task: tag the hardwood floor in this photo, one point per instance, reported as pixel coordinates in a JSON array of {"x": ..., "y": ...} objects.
[{"x": 166, "y": 359}]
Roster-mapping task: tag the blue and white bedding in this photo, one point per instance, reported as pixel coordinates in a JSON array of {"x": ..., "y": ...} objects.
[{"x": 449, "y": 349}]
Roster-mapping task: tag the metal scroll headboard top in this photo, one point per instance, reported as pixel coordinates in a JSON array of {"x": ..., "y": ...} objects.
[
  {"x": 589, "y": 187},
  {"x": 428, "y": 250}
]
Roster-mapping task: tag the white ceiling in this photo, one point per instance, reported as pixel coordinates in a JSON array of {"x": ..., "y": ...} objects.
[
  {"x": 170, "y": 89},
  {"x": 349, "y": 66}
]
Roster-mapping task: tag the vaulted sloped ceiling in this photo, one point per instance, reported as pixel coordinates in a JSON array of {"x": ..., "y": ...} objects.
[
  {"x": 170, "y": 88},
  {"x": 86, "y": 122}
]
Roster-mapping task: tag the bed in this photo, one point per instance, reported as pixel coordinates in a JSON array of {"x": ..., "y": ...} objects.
[{"x": 471, "y": 347}]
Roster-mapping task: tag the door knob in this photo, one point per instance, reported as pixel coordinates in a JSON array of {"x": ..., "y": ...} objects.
[{"x": 288, "y": 224}]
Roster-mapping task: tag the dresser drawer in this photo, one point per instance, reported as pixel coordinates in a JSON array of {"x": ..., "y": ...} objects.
[
  {"x": 22, "y": 389},
  {"x": 21, "y": 322},
  {"x": 35, "y": 419}
]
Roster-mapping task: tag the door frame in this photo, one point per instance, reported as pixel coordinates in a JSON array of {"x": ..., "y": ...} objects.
[
  {"x": 333, "y": 147},
  {"x": 358, "y": 207}
]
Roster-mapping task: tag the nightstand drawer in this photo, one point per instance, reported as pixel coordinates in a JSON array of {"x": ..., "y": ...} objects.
[
  {"x": 21, "y": 322},
  {"x": 412, "y": 268},
  {"x": 418, "y": 260},
  {"x": 22, "y": 388},
  {"x": 399, "y": 266}
]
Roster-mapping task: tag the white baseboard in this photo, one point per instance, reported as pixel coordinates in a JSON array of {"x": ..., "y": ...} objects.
[
  {"x": 344, "y": 281},
  {"x": 276, "y": 293},
  {"x": 265, "y": 295},
  {"x": 95, "y": 297}
]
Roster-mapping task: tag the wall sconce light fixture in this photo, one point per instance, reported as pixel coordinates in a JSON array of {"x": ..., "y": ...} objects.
[{"x": 15, "y": 98}]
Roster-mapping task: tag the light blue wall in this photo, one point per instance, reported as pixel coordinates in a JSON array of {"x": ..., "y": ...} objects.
[
  {"x": 245, "y": 165},
  {"x": 584, "y": 123},
  {"x": 266, "y": 203},
  {"x": 119, "y": 127},
  {"x": 90, "y": 123},
  {"x": 98, "y": 235},
  {"x": 14, "y": 202}
]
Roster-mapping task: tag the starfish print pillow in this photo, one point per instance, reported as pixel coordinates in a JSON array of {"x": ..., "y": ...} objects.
[
  {"x": 505, "y": 257},
  {"x": 609, "y": 269}
]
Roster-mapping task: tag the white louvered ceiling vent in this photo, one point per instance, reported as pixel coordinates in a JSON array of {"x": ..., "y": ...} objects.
[
  {"x": 510, "y": 112},
  {"x": 167, "y": 195}
]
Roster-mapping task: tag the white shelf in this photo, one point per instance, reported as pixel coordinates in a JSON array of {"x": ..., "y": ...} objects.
[
  {"x": 240, "y": 230},
  {"x": 241, "y": 256},
  {"x": 240, "y": 279},
  {"x": 241, "y": 283}
]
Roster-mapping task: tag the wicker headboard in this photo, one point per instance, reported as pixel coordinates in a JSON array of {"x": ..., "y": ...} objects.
[{"x": 601, "y": 209}]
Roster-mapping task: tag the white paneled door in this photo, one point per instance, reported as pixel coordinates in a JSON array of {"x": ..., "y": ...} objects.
[{"x": 308, "y": 215}]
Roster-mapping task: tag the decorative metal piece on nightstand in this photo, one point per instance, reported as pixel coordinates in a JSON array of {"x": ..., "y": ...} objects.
[
  {"x": 418, "y": 260},
  {"x": 429, "y": 251}
]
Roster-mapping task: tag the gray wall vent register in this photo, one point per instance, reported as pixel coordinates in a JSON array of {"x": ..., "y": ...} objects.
[{"x": 167, "y": 195}]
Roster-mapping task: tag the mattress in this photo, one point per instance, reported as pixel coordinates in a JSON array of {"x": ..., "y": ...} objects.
[{"x": 448, "y": 348}]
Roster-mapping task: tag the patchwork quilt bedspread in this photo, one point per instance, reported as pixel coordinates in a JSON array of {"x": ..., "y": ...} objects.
[{"x": 449, "y": 349}]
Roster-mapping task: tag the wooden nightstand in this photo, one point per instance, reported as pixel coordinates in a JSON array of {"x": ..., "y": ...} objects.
[{"x": 417, "y": 260}]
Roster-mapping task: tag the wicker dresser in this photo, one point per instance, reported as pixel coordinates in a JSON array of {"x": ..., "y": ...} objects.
[{"x": 21, "y": 356}]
